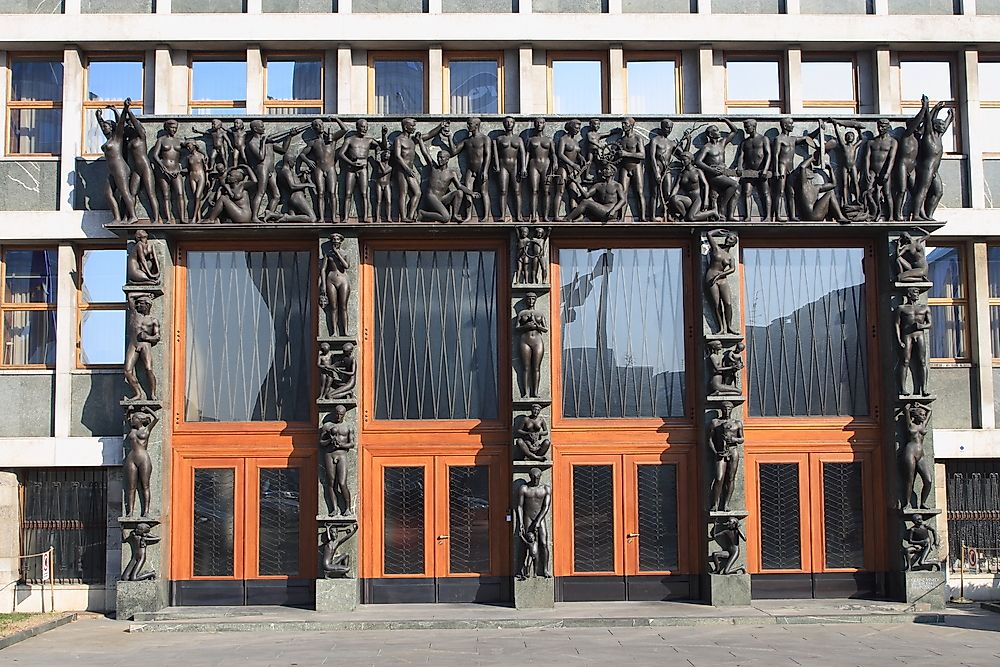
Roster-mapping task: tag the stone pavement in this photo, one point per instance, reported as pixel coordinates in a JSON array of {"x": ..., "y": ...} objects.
[{"x": 967, "y": 637}]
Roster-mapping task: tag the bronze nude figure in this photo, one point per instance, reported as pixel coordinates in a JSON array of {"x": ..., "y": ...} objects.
[
  {"x": 849, "y": 142},
  {"x": 711, "y": 159},
  {"x": 912, "y": 462},
  {"x": 222, "y": 145},
  {"x": 138, "y": 540},
  {"x": 534, "y": 500},
  {"x": 335, "y": 287},
  {"x": 604, "y": 202},
  {"x": 336, "y": 565},
  {"x": 541, "y": 166},
  {"x": 661, "y": 149},
  {"x": 927, "y": 187},
  {"x": 320, "y": 155},
  {"x": 138, "y": 156},
  {"x": 784, "y": 159},
  {"x": 343, "y": 374},
  {"x": 510, "y": 161},
  {"x": 690, "y": 193},
  {"x": 296, "y": 205},
  {"x": 753, "y": 155},
  {"x": 336, "y": 439},
  {"x": 532, "y": 256},
  {"x": 907, "y": 147},
  {"x": 728, "y": 535},
  {"x": 138, "y": 467},
  {"x": 478, "y": 149},
  {"x": 531, "y": 325},
  {"x": 724, "y": 367},
  {"x": 913, "y": 319},
  {"x": 141, "y": 265},
  {"x": 355, "y": 155},
  {"x": 569, "y": 170},
  {"x": 815, "y": 196},
  {"x": 231, "y": 201},
  {"x": 169, "y": 181},
  {"x": 142, "y": 334},
  {"x": 725, "y": 437},
  {"x": 879, "y": 161},
  {"x": 404, "y": 153},
  {"x": 721, "y": 265},
  {"x": 911, "y": 258},
  {"x": 196, "y": 166},
  {"x": 532, "y": 435},
  {"x": 261, "y": 149},
  {"x": 444, "y": 189},
  {"x": 919, "y": 540},
  {"x": 630, "y": 168},
  {"x": 117, "y": 190}
]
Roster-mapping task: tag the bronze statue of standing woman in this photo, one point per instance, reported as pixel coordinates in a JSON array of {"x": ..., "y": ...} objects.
[
  {"x": 335, "y": 288},
  {"x": 531, "y": 327}
]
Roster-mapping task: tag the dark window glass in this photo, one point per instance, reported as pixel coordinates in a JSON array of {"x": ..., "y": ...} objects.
[
  {"x": 30, "y": 276},
  {"x": 993, "y": 269},
  {"x": 278, "y": 541},
  {"x": 435, "y": 334},
  {"x": 214, "y": 496},
  {"x": 473, "y": 86},
  {"x": 780, "y": 538},
  {"x": 403, "y": 529},
  {"x": 657, "y": 492},
  {"x": 973, "y": 513},
  {"x": 947, "y": 300},
  {"x": 35, "y": 131},
  {"x": 593, "y": 518},
  {"x": 399, "y": 87},
  {"x": 622, "y": 319},
  {"x": 36, "y": 80},
  {"x": 469, "y": 519},
  {"x": 807, "y": 331},
  {"x": 249, "y": 336},
  {"x": 843, "y": 515}
]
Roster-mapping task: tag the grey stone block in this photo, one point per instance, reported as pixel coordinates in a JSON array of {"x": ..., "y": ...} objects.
[
  {"x": 953, "y": 387},
  {"x": 925, "y": 588},
  {"x": 132, "y": 597},
  {"x": 337, "y": 594},
  {"x": 833, "y": 6},
  {"x": 659, "y": 6},
  {"x": 746, "y": 7},
  {"x": 568, "y": 6},
  {"x": 988, "y": 7},
  {"x": 29, "y": 184},
  {"x": 34, "y": 7},
  {"x": 922, "y": 7},
  {"x": 299, "y": 6},
  {"x": 95, "y": 404},
  {"x": 534, "y": 593},
  {"x": 116, "y": 6},
  {"x": 478, "y": 6},
  {"x": 388, "y": 7},
  {"x": 726, "y": 590},
  {"x": 202, "y": 7},
  {"x": 28, "y": 405}
]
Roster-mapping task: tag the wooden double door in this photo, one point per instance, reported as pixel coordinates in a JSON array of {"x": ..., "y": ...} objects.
[
  {"x": 244, "y": 530},
  {"x": 437, "y": 528}
]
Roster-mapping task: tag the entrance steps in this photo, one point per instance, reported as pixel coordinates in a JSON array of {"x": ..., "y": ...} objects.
[{"x": 564, "y": 615}]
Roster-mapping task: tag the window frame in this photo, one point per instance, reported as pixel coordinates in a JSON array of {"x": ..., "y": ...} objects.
[
  {"x": 992, "y": 302},
  {"x": 963, "y": 272},
  {"x": 19, "y": 307},
  {"x": 83, "y": 306},
  {"x": 988, "y": 103},
  {"x": 827, "y": 57},
  {"x": 578, "y": 56},
  {"x": 90, "y": 106},
  {"x": 657, "y": 56},
  {"x": 779, "y": 106},
  {"x": 397, "y": 56},
  {"x": 13, "y": 104},
  {"x": 208, "y": 56},
  {"x": 909, "y": 107},
  {"x": 457, "y": 56},
  {"x": 286, "y": 56}
]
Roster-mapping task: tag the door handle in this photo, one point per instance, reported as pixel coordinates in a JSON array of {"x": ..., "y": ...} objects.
[
  {"x": 631, "y": 535},
  {"x": 442, "y": 537}
]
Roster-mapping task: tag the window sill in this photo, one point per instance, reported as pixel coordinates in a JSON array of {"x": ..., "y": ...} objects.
[
  {"x": 27, "y": 371},
  {"x": 102, "y": 370},
  {"x": 951, "y": 364}
]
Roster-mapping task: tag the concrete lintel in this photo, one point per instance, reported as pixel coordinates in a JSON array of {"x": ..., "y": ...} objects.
[
  {"x": 35, "y": 226},
  {"x": 61, "y": 452}
]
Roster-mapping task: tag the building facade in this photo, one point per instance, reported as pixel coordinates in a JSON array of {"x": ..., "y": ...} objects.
[{"x": 479, "y": 356}]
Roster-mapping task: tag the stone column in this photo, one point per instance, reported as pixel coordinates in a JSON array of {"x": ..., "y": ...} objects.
[
  {"x": 337, "y": 583},
  {"x": 915, "y": 567},
  {"x": 531, "y": 468},
  {"x": 144, "y": 584},
  {"x": 10, "y": 536},
  {"x": 725, "y": 581}
]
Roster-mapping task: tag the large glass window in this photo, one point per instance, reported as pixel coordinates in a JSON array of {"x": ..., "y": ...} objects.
[
  {"x": 989, "y": 95},
  {"x": 949, "y": 304},
  {"x": 923, "y": 76},
  {"x": 218, "y": 86},
  {"x": 102, "y": 307},
  {"x": 576, "y": 85},
  {"x": 34, "y": 106},
  {"x": 473, "y": 83},
  {"x": 435, "y": 334},
  {"x": 622, "y": 323},
  {"x": 753, "y": 85},
  {"x": 651, "y": 84},
  {"x": 806, "y": 331},
  {"x": 829, "y": 85},
  {"x": 28, "y": 307},
  {"x": 400, "y": 84},
  {"x": 249, "y": 336},
  {"x": 109, "y": 82},
  {"x": 294, "y": 85},
  {"x": 993, "y": 267}
]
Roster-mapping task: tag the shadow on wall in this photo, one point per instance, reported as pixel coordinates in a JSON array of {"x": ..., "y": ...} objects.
[{"x": 99, "y": 412}]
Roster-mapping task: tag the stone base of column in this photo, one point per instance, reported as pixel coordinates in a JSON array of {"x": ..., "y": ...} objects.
[
  {"x": 535, "y": 593},
  {"x": 132, "y": 597},
  {"x": 921, "y": 587},
  {"x": 337, "y": 594},
  {"x": 726, "y": 590}
]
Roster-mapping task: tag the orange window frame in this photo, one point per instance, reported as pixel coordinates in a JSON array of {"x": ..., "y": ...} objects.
[
  {"x": 84, "y": 306},
  {"x": 13, "y": 104},
  {"x": 8, "y": 307}
]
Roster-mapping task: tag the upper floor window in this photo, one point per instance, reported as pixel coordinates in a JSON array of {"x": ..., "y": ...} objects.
[
  {"x": 989, "y": 96},
  {"x": 829, "y": 84},
  {"x": 218, "y": 85},
  {"x": 34, "y": 106},
  {"x": 652, "y": 83},
  {"x": 109, "y": 83},
  {"x": 754, "y": 84},
  {"x": 949, "y": 304},
  {"x": 294, "y": 85},
  {"x": 101, "y": 307},
  {"x": 993, "y": 269},
  {"x": 398, "y": 83},
  {"x": 28, "y": 306},
  {"x": 473, "y": 83},
  {"x": 920, "y": 76},
  {"x": 577, "y": 83}
]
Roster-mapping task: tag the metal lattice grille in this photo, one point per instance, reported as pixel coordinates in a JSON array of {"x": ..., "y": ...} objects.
[
  {"x": 780, "y": 538},
  {"x": 843, "y": 515},
  {"x": 435, "y": 334},
  {"x": 403, "y": 531},
  {"x": 657, "y": 491},
  {"x": 593, "y": 519},
  {"x": 973, "y": 506},
  {"x": 214, "y": 493},
  {"x": 622, "y": 319},
  {"x": 469, "y": 519},
  {"x": 248, "y": 346},
  {"x": 806, "y": 327},
  {"x": 278, "y": 538}
]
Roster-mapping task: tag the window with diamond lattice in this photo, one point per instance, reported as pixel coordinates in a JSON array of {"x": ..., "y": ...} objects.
[
  {"x": 278, "y": 537},
  {"x": 622, "y": 325},
  {"x": 403, "y": 505},
  {"x": 214, "y": 508},
  {"x": 435, "y": 334},
  {"x": 806, "y": 325},
  {"x": 593, "y": 520},
  {"x": 657, "y": 492},
  {"x": 843, "y": 515},
  {"x": 469, "y": 519},
  {"x": 780, "y": 534}
]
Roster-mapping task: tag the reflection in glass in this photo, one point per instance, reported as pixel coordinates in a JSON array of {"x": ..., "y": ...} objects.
[
  {"x": 990, "y": 117},
  {"x": 995, "y": 330},
  {"x": 36, "y": 80},
  {"x": 29, "y": 337},
  {"x": 214, "y": 494},
  {"x": 925, "y": 77},
  {"x": 843, "y": 515},
  {"x": 657, "y": 492},
  {"x": 652, "y": 86},
  {"x": 103, "y": 275},
  {"x": 403, "y": 518},
  {"x": 989, "y": 80},
  {"x": 948, "y": 333},
  {"x": 248, "y": 349},
  {"x": 593, "y": 518},
  {"x": 399, "y": 86},
  {"x": 30, "y": 276},
  {"x": 577, "y": 87},
  {"x": 285, "y": 111},
  {"x": 278, "y": 539},
  {"x": 219, "y": 80},
  {"x": 435, "y": 334},
  {"x": 473, "y": 86},
  {"x": 238, "y": 110},
  {"x": 35, "y": 131},
  {"x": 993, "y": 270},
  {"x": 828, "y": 80},
  {"x": 780, "y": 530},
  {"x": 752, "y": 80},
  {"x": 622, "y": 319},
  {"x": 102, "y": 337},
  {"x": 297, "y": 79},
  {"x": 114, "y": 80},
  {"x": 469, "y": 519}
]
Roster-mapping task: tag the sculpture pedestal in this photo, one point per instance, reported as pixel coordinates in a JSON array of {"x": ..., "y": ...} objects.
[
  {"x": 535, "y": 593},
  {"x": 922, "y": 587},
  {"x": 726, "y": 590},
  {"x": 132, "y": 597},
  {"x": 337, "y": 594}
]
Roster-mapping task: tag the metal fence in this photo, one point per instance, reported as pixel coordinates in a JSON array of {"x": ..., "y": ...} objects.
[{"x": 973, "y": 513}]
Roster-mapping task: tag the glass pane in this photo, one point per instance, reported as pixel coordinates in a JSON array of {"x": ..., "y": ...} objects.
[
  {"x": 948, "y": 333},
  {"x": 214, "y": 494},
  {"x": 249, "y": 337},
  {"x": 29, "y": 337},
  {"x": 755, "y": 110},
  {"x": 103, "y": 275},
  {"x": 238, "y": 110},
  {"x": 114, "y": 80},
  {"x": 102, "y": 337},
  {"x": 35, "y": 131},
  {"x": 399, "y": 87},
  {"x": 656, "y": 487},
  {"x": 287, "y": 111},
  {"x": 218, "y": 80},
  {"x": 828, "y": 80},
  {"x": 843, "y": 515},
  {"x": 30, "y": 276},
  {"x": 577, "y": 87},
  {"x": 995, "y": 330},
  {"x": 780, "y": 541},
  {"x": 435, "y": 334},
  {"x": 32, "y": 80},
  {"x": 945, "y": 271},
  {"x": 622, "y": 319},
  {"x": 753, "y": 80},
  {"x": 990, "y": 117},
  {"x": 806, "y": 330},
  {"x": 652, "y": 86},
  {"x": 295, "y": 79},
  {"x": 993, "y": 270},
  {"x": 989, "y": 81},
  {"x": 826, "y": 112},
  {"x": 469, "y": 519},
  {"x": 473, "y": 86},
  {"x": 403, "y": 530},
  {"x": 593, "y": 519},
  {"x": 278, "y": 542},
  {"x": 93, "y": 138},
  {"x": 925, "y": 77}
]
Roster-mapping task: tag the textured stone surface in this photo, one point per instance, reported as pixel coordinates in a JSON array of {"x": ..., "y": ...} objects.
[
  {"x": 136, "y": 596},
  {"x": 478, "y": 6},
  {"x": 659, "y": 6},
  {"x": 388, "y": 6},
  {"x": 953, "y": 387},
  {"x": 534, "y": 593},
  {"x": 987, "y": 7},
  {"x": 568, "y": 6},
  {"x": 953, "y": 176},
  {"x": 746, "y": 6},
  {"x": 726, "y": 590},
  {"x": 28, "y": 402},
  {"x": 924, "y": 587},
  {"x": 922, "y": 7},
  {"x": 337, "y": 594},
  {"x": 29, "y": 185},
  {"x": 31, "y": 6},
  {"x": 833, "y": 6},
  {"x": 95, "y": 408},
  {"x": 202, "y": 7},
  {"x": 116, "y": 6},
  {"x": 298, "y": 6}
]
